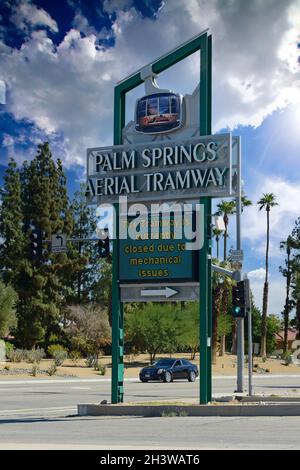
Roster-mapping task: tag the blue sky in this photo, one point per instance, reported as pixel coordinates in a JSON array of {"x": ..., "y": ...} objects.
[{"x": 60, "y": 60}]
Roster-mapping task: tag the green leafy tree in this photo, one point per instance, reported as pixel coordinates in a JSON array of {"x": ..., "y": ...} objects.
[
  {"x": 11, "y": 225},
  {"x": 296, "y": 298},
  {"x": 245, "y": 202},
  {"x": 189, "y": 328},
  {"x": 101, "y": 289},
  {"x": 82, "y": 270},
  {"x": 273, "y": 327},
  {"x": 154, "y": 328},
  {"x": 35, "y": 196},
  {"x": 267, "y": 202},
  {"x": 287, "y": 272},
  {"x": 8, "y": 299}
]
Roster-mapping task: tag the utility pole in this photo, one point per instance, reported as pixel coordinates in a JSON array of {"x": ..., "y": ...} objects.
[
  {"x": 250, "y": 342},
  {"x": 239, "y": 321}
]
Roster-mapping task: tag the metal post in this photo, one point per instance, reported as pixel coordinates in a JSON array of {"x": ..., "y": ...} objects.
[
  {"x": 205, "y": 252},
  {"x": 239, "y": 321},
  {"x": 209, "y": 226},
  {"x": 203, "y": 278},
  {"x": 117, "y": 374},
  {"x": 250, "y": 342}
]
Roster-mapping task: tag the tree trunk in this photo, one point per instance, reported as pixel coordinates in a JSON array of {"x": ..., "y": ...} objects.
[
  {"x": 225, "y": 243},
  {"x": 217, "y": 240},
  {"x": 217, "y": 294},
  {"x": 225, "y": 309},
  {"x": 263, "y": 344},
  {"x": 152, "y": 357},
  {"x": 223, "y": 346}
]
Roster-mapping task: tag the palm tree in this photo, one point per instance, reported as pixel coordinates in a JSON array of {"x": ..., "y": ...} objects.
[
  {"x": 267, "y": 201},
  {"x": 245, "y": 202},
  {"x": 226, "y": 208},
  {"x": 216, "y": 234}
]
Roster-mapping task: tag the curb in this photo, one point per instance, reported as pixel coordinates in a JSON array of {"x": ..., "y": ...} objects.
[{"x": 187, "y": 410}]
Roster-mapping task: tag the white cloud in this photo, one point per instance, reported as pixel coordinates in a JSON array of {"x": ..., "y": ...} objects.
[
  {"x": 27, "y": 15},
  {"x": 282, "y": 217},
  {"x": 69, "y": 89},
  {"x": 276, "y": 296},
  {"x": 257, "y": 274},
  {"x": 113, "y": 5}
]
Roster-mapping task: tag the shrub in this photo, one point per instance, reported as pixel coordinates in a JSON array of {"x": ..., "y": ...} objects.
[
  {"x": 17, "y": 355},
  {"x": 58, "y": 353},
  {"x": 98, "y": 366},
  {"x": 91, "y": 361},
  {"x": 34, "y": 370},
  {"x": 75, "y": 357},
  {"x": 35, "y": 356},
  {"x": 59, "y": 357},
  {"x": 101, "y": 368},
  {"x": 53, "y": 348},
  {"x": 8, "y": 348},
  {"x": 52, "y": 369}
]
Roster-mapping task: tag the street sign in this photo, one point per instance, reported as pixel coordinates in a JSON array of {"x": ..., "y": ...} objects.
[
  {"x": 167, "y": 170},
  {"x": 59, "y": 243},
  {"x": 164, "y": 292},
  {"x": 236, "y": 256},
  {"x": 157, "y": 253}
]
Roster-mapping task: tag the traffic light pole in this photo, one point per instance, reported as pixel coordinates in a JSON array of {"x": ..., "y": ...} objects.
[
  {"x": 239, "y": 321},
  {"x": 250, "y": 343}
]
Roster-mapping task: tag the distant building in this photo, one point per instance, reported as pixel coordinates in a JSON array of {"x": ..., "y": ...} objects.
[{"x": 292, "y": 334}]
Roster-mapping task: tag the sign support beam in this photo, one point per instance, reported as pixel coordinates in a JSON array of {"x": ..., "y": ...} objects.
[{"x": 205, "y": 301}]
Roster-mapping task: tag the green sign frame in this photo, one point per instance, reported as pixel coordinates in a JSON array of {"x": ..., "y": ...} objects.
[{"x": 203, "y": 44}]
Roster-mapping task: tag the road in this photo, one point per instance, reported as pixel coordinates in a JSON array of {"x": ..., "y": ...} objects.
[{"x": 43, "y": 414}]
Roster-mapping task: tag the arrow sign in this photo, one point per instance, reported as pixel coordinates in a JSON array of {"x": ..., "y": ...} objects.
[
  {"x": 59, "y": 243},
  {"x": 59, "y": 237},
  {"x": 165, "y": 292}
]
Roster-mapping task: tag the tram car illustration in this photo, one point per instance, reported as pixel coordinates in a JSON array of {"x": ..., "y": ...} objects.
[{"x": 159, "y": 112}]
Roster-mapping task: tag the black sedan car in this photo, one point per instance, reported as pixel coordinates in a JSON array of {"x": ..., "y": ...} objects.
[{"x": 169, "y": 369}]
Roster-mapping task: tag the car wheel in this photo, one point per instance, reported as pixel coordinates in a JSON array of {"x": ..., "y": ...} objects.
[
  {"x": 192, "y": 376},
  {"x": 168, "y": 377},
  {"x": 144, "y": 380}
]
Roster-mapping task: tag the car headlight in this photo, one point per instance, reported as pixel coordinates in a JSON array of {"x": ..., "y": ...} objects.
[{"x": 160, "y": 371}]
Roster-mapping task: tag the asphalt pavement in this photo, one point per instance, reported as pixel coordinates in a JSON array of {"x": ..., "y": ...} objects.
[{"x": 42, "y": 414}]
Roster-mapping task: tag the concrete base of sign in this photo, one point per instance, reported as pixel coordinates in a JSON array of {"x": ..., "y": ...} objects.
[{"x": 282, "y": 409}]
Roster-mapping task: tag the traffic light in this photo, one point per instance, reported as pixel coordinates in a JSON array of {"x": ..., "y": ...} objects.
[
  {"x": 36, "y": 243},
  {"x": 238, "y": 300},
  {"x": 103, "y": 244}
]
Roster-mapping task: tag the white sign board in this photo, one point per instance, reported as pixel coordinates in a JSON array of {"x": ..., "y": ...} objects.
[
  {"x": 59, "y": 243},
  {"x": 161, "y": 170}
]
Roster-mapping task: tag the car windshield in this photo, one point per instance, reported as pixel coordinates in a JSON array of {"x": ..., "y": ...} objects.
[{"x": 164, "y": 363}]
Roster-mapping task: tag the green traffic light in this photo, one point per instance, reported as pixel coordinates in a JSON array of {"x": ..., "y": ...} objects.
[{"x": 236, "y": 311}]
